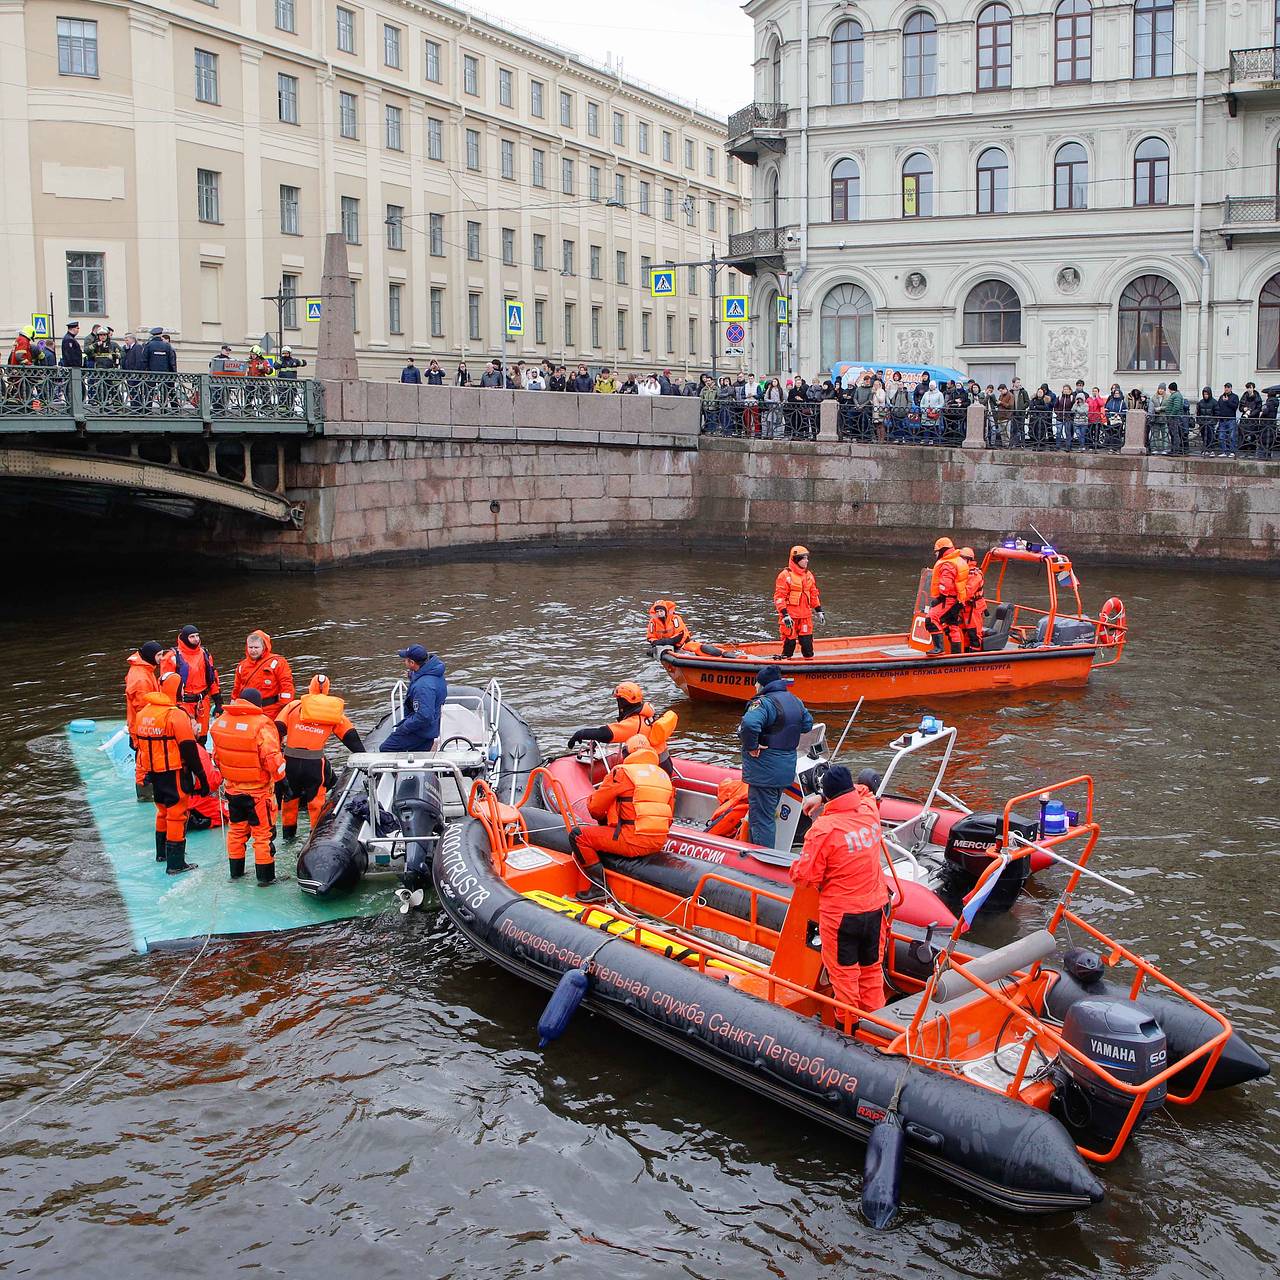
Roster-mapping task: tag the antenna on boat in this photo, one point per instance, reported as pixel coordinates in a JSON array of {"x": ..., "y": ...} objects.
[
  {"x": 1044, "y": 542},
  {"x": 847, "y": 727}
]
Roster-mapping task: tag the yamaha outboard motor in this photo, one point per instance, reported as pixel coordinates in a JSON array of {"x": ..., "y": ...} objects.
[
  {"x": 968, "y": 854},
  {"x": 1126, "y": 1040},
  {"x": 419, "y": 810}
]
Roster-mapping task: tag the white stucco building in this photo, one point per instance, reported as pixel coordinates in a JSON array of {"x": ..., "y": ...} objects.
[{"x": 1056, "y": 190}]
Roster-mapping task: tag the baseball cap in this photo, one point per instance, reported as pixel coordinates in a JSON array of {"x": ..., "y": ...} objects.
[{"x": 415, "y": 652}]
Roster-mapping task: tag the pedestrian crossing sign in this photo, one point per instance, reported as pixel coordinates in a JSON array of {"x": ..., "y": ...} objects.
[
  {"x": 314, "y": 307},
  {"x": 42, "y": 323},
  {"x": 662, "y": 282},
  {"x": 515, "y": 319},
  {"x": 734, "y": 307},
  {"x": 784, "y": 310}
]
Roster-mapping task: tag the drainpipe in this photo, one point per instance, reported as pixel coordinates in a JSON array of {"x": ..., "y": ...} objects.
[
  {"x": 1198, "y": 216},
  {"x": 804, "y": 181}
]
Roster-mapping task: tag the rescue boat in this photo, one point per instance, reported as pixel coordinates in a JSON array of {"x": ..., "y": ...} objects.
[
  {"x": 938, "y": 846},
  {"x": 1024, "y": 646},
  {"x": 389, "y": 809},
  {"x": 1010, "y": 1073}
]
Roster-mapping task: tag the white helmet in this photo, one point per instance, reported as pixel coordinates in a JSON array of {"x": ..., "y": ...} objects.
[{"x": 286, "y": 351}]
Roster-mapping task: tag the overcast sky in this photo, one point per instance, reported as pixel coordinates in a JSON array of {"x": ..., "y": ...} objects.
[{"x": 693, "y": 49}]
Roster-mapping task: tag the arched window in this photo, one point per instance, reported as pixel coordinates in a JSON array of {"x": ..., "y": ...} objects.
[
  {"x": 847, "y": 317},
  {"x": 992, "y": 315},
  {"x": 993, "y": 181},
  {"x": 917, "y": 186},
  {"x": 1073, "y": 41},
  {"x": 1151, "y": 172},
  {"x": 1153, "y": 38},
  {"x": 1071, "y": 177},
  {"x": 773, "y": 340},
  {"x": 844, "y": 191},
  {"x": 775, "y": 71},
  {"x": 846, "y": 63},
  {"x": 775, "y": 201},
  {"x": 919, "y": 56},
  {"x": 1269, "y": 325},
  {"x": 995, "y": 47},
  {"x": 1150, "y": 324}
]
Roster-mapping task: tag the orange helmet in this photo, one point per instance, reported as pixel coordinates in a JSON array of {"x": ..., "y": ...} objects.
[
  {"x": 966, "y": 553},
  {"x": 944, "y": 544},
  {"x": 797, "y": 552},
  {"x": 319, "y": 684},
  {"x": 170, "y": 683},
  {"x": 637, "y": 743},
  {"x": 629, "y": 692}
]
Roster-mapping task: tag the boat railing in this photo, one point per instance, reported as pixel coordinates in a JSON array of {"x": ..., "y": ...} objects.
[
  {"x": 754, "y": 891},
  {"x": 399, "y": 691},
  {"x": 1023, "y": 1020},
  {"x": 376, "y": 765}
]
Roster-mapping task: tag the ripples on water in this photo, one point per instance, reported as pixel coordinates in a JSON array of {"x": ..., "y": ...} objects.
[{"x": 368, "y": 1096}]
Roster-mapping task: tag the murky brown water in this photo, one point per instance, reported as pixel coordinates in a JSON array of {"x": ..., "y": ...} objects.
[{"x": 368, "y": 1097}]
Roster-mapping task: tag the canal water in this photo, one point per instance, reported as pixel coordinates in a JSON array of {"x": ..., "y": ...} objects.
[{"x": 368, "y": 1096}]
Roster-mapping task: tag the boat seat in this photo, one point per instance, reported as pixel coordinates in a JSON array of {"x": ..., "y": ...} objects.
[
  {"x": 996, "y": 636},
  {"x": 954, "y": 992}
]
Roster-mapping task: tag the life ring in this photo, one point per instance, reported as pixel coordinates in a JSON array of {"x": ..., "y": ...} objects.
[{"x": 1111, "y": 624}]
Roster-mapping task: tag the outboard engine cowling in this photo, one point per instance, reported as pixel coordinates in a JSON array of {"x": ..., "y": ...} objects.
[
  {"x": 419, "y": 811},
  {"x": 968, "y": 854},
  {"x": 1125, "y": 1039}
]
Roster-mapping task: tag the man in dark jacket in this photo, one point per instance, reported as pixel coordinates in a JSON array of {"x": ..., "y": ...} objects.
[
  {"x": 771, "y": 728},
  {"x": 410, "y": 372},
  {"x": 1228, "y": 407},
  {"x": 1207, "y": 420},
  {"x": 72, "y": 351},
  {"x": 491, "y": 377},
  {"x": 1250, "y": 412},
  {"x": 158, "y": 356},
  {"x": 288, "y": 365},
  {"x": 420, "y": 727},
  {"x": 582, "y": 382},
  {"x": 559, "y": 380}
]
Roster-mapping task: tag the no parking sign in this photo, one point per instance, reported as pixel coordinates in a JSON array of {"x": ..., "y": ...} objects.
[{"x": 734, "y": 334}]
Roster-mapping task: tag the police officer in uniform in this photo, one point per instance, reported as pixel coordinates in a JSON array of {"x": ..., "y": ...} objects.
[{"x": 771, "y": 728}]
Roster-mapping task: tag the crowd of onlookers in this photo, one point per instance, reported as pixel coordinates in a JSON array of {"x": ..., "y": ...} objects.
[{"x": 890, "y": 406}]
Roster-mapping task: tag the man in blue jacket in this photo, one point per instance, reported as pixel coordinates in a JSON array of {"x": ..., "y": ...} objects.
[
  {"x": 771, "y": 729},
  {"x": 420, "y": 727}
]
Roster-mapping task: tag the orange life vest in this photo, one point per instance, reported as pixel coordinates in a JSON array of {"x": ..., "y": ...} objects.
[
  {"x": 269, "y": 674},
  {"x": 140, "y": 681},
  {"x": 195, "y": 666},
  {"x": 671, "y": 629},
  {"x": 649, "y": 804},
  {"x": 950, "y": 576},
  {"x": 309, "y": 722},
  {"x": 974, "y": 598},
  {"x": 730, "y": 818},
  {"x": 657, "y": 728},
  {"x": 246, "y": 747},
  {"x": 795, "y": 591},
  {"x": 159, "y": 729}
]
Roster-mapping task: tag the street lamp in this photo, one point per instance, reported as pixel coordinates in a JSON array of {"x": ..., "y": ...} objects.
[{"x": 614, "y": 203}]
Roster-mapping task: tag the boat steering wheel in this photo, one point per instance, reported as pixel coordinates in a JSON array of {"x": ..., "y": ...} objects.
[{"x": 466, "y": 742}]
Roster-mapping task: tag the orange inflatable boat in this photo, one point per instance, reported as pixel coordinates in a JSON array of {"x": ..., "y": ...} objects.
[{"x": 1023, "y": 646}]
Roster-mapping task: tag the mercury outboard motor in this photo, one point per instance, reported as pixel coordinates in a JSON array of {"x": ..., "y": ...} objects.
[
  {"x": 1125, "y": 1039},
  {"x": 968, "y": 854},
  {"x": 419, "y": 810}
]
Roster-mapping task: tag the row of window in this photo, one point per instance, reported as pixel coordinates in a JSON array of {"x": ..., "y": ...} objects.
[
  {"x": 993, "y": 40},
  {"x": 1149, "y": 326},
  {"x": 78, "y": 56},
  {"x": 991, "y": 182}
]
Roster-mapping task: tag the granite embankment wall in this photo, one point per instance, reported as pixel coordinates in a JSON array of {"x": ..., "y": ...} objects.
[{"x": 405, "y": 470}]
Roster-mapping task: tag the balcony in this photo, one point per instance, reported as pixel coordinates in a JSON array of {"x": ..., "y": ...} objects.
[
  {"x": 760, "y": 249},
  {"x": 1250, "y": 218},
  {"x": 1255, "y": 78},
  {"x": 757, "y": 130}
]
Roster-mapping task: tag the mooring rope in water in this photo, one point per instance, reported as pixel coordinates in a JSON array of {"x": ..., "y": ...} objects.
[{"x": 92, "y": 1071}]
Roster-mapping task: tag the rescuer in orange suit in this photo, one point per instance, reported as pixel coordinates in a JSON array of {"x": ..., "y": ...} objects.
[
  {"x": 304, "y": 726},
  {"x": 635, "y": 805},
  {"x": 975, "y": 606},
  {"x": 666, "y": 626},
  {"x": 141, "y": 679},
  {"x": 843, "y": 859},
  {"x": 264, "y": 670},
  {"x": 947, "y": 595},
  {"x": 635, "y": 716},
  {"x": 211, "y": 810},
  {"x": 730, "y": 817},
  {"x": 247, "y": 749},
  {"x": 795, "y": 596},
  {"x": 194, "y": 665},
  {"x": 171, "y": 763}
]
